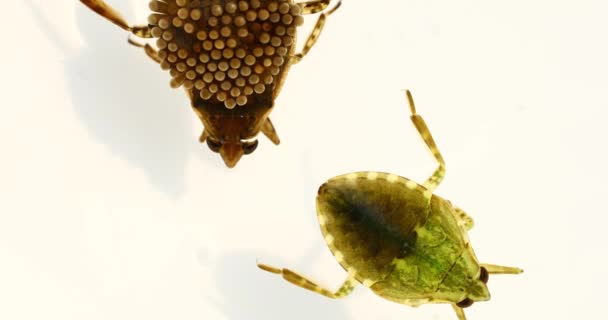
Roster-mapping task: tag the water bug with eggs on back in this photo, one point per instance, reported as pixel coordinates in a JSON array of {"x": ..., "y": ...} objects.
[
  {"x": 231, "y": 56},
  {"x": 399, "y": 239}
]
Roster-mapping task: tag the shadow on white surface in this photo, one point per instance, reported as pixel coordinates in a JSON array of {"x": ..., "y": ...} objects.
[
  {"x": 124, "y": 100},
  {"x": 250, "y": 293}
]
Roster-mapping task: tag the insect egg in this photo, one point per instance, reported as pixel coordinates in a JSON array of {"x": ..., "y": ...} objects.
[{"x": 242, "y": 37}]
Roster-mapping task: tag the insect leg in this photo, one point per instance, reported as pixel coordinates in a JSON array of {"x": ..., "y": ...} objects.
[
  {"x": 433, "y": 181},
  {"x": 346, "y": 288},
  {"x": 316, "y": 31},
  {"x": 459, "y": 312},
  {"x": 151, "y": 52},
  {"x": 463, "y": 219},
  {"x": 494, "y": 269},
  {"x": 203, "y": 136},
  {"x": 104, "y": 10},
  {"x": 313, "y": 6},
  {"x": 269, "y": 131}
]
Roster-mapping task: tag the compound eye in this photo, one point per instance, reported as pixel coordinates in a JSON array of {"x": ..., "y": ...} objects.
[
  {"x": 484, "y": 275},
  {"x": 250, "y": 146},
  {"x": 465, "y": 303},
  {"x": 213, "y": 145}
]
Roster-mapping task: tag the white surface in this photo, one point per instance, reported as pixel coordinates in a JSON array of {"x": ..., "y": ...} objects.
[{"x": 110, "y": 209}]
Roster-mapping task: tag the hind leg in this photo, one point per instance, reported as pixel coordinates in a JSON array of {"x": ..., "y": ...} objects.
[
  {"x": 346, "y": 288},
  {"x": 104, "y": 10}
]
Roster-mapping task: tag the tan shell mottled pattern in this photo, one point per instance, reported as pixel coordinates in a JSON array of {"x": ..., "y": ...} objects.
[{"x": 226, "y": 50}]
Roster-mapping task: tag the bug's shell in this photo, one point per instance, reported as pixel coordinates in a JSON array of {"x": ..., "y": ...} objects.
[{"x": 399, "y": 239}]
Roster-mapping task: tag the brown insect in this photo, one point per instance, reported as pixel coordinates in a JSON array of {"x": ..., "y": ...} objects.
[{"x": 231, "y": 57}]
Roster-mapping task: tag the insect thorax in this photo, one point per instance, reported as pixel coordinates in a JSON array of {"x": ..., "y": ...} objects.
[
  {"x": 440, "y": 267},
  {"x": 225, "y": 50}
]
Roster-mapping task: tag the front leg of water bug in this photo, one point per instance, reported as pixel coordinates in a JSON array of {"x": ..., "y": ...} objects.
[
  {"x": 398, "y": 238},
  {"x": 231, "y": 57},
  {"x": 434, "y": 180}
]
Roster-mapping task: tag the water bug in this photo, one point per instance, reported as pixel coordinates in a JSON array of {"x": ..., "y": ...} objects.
[
  {"x": 231, "y": 57},
  {"x": 399, "y": 239}
]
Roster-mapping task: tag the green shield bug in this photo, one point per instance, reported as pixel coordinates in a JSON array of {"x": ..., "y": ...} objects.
[
  {"x": 399, "y": 239},
  {"x": 231, "y": 57}
]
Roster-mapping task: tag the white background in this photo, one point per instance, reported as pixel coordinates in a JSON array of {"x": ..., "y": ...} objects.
[{"x": 110, "y": 209}]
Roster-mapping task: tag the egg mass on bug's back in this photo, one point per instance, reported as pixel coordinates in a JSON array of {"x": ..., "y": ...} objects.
[{"x": 226, "y": 50}]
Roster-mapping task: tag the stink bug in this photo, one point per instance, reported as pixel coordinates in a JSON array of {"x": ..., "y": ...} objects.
[
  {"x": 399, "y": 239},
  {"x": 231, "y": 56}
]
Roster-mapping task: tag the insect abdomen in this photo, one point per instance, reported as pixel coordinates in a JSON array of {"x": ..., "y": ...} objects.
[{"x": 369, "y": 219}]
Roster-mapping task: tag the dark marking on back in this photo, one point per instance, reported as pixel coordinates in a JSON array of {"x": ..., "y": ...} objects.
[{"x": 372, "y": 222}]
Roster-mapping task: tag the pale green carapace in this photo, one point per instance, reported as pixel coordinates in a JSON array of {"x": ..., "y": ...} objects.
[{"x": 396, "y": 237}]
